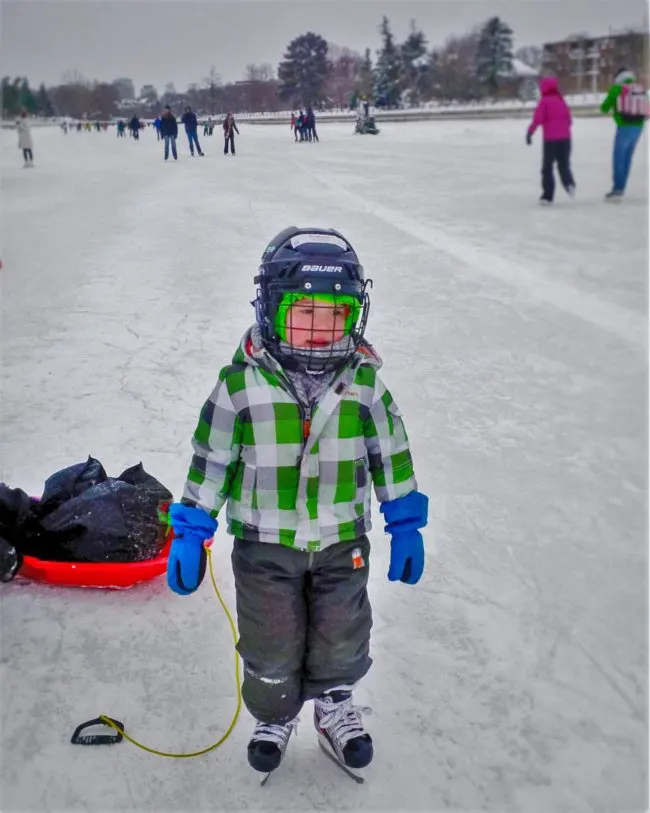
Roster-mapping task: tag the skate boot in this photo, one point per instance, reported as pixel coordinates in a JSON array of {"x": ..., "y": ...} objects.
[
  {"x": 268, "y": 744},
  {"x": 340, "y": 729},
  {"x": 615, "y": 196}
]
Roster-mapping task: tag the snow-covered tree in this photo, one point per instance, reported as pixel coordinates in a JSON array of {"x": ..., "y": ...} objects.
[
  {"x": 494, "y": 53},
  {"x": 304, "y": 70},
  {"x": 388, "y": 71},
  {"x": 414, "y": 63}
]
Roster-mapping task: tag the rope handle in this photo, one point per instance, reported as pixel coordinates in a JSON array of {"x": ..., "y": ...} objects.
[{"x": 119, "y": 727}]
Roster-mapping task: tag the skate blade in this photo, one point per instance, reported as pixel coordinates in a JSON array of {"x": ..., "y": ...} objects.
[
  {"x": 265, "y": 779},
  {"x": 327, "y": 750}
]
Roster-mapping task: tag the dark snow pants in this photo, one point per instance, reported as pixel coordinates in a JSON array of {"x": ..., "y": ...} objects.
[
  {"x": 560, "y": 152},
  {"x": 304, "y": 623}
]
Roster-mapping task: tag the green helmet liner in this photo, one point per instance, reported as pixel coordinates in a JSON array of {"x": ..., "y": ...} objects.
[{"x": 288, "y": 299}]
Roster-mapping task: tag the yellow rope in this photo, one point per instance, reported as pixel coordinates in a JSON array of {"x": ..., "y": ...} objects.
[{"x": 109, "y": 722}]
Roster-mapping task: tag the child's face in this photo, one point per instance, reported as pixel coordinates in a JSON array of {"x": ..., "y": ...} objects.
[{"x": 314, "y": 323}]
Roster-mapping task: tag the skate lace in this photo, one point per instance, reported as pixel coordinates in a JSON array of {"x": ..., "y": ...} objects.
[
  {"x": 342, "y": 720},
  {"x": 272, "y": 732}
]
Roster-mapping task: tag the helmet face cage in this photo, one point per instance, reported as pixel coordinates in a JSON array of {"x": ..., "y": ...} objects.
[
  {"x": 312, "y": 304},
  {"x": 317, "y": 335}
]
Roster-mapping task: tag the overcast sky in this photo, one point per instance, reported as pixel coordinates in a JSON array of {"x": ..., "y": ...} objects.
[{"x": 159, "y": 42}]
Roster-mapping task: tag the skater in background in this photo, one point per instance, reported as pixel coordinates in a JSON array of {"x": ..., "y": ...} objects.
[
  {"x": 229, "y": 130},
  {"x": 121, "y": 127},
  {"x": 169, "y": 132},
  {"x": 156, "y": 124},
  {"x": 629, "y": 102},
  {"x": 25, "y": 139},
  {"x": 134, "y": 126},
  {"x": 191, "y": 126},
  {"x": 293, "y": 434},
  {"x": 294, "y": 125},
  {"x": 310, "y": 120},
  {"x": 554, "y": 117}
]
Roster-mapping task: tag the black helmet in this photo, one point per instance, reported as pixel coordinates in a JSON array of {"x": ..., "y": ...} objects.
[{"x": 317, "y": 263}]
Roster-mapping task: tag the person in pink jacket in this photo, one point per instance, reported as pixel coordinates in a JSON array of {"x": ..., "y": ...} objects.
[{"x": 554, "y": 117}]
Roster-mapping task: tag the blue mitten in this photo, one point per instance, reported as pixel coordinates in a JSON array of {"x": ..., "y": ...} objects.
[
  {"x": 404, "y": 516},
  {"x": 187, "y": 557}
]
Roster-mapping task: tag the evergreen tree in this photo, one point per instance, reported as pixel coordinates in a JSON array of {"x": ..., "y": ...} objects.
[
  {"x": 304, "y": 70},
  {"x": 414, "y": 63},
  {"x": 10, "y": 96},
  {"x": 44, "y": 103},
  {"x": 389, "y": 74},
  {"x": 494, "y": 53},
  {"x": 27, "y": 97}
]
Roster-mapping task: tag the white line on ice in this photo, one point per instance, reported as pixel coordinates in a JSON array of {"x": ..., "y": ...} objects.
[{"x": 622, "y": 322}]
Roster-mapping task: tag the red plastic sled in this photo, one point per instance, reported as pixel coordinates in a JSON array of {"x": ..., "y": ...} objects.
[{"x": 107, "y": 575}]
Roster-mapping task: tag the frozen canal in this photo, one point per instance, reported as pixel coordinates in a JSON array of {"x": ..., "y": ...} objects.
[{"x": 514, "y": 338}]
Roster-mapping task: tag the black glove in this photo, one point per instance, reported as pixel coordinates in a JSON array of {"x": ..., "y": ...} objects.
[{"x": 529, "y": 138}]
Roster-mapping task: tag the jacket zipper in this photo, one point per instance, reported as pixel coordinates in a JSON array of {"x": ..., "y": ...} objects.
[{"x": 305, "y": 412}]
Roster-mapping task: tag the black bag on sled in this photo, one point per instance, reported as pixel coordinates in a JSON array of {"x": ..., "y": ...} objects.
[{"x": 86, "y": 516}]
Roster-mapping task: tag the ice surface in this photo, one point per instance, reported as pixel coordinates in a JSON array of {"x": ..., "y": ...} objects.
[{"x": 514, "y": 676}]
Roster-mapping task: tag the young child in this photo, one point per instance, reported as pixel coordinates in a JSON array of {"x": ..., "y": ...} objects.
[
  {"x": 291, "y": 437},
  {"x": 554, "y": 117}
]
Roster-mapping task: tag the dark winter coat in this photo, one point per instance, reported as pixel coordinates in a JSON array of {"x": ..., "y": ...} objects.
[
  {"x": 190, "y": 122},
  {"x": 228, "y": 127},
  {"x": 168, "y": 126}
]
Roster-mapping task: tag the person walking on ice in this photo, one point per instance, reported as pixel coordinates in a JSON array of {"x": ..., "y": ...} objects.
[
  {"x": 25, "y": 142},
  {"x": 554, "y": 117},
  {"x": 169, "y": 132},
  {"x": 294, "y": 433},
  {"x": 629, "y": 102},
  {"x": 191, "y": 126},
  {"x": 229, "y": 130}
]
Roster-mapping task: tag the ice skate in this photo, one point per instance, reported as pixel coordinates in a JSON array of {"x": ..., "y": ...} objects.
[
  {"x": 341, "y": 733},
  {"x": 268, "y": 744}
]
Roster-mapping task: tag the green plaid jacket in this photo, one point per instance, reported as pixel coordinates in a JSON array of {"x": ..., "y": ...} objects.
[{"x": 288, "y": 477}]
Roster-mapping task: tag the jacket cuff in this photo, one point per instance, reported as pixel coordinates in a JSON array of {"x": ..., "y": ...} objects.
[{"x": 406, "y": 513}]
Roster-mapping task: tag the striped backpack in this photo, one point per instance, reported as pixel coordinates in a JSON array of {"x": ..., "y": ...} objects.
[{"x": 632, "y": 104}]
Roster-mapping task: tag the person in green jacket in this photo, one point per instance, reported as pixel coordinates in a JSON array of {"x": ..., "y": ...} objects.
[
  {"x": 629, "y": 103},
  {"x": 296, "y": 431}
]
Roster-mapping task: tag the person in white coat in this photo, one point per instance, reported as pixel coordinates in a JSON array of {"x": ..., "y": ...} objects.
[{"x": 25, "y": 139}]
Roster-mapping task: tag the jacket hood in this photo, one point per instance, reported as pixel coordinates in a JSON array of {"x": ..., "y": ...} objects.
[
  {"x": 252, "y": 352},
  {"x": 624, "y": 77},
  {"x": 548, "y": 85}
]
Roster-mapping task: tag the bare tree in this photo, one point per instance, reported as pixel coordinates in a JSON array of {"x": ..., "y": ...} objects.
[
  {"x": 259, "y": 73},
  {"x": 454, "y": 70},
  {"x": 344, "y": 78},
  {"x": 530, "y": 55},
  {"x": 212, "y": 83}
]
